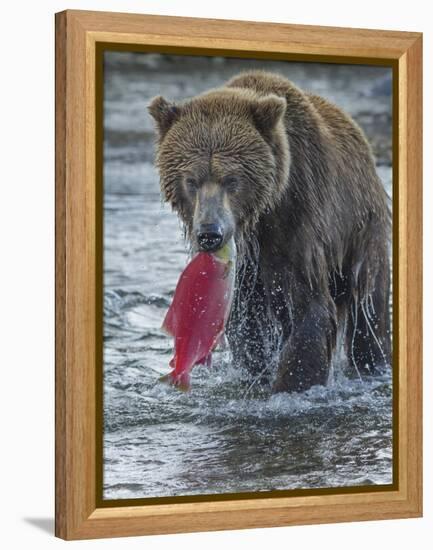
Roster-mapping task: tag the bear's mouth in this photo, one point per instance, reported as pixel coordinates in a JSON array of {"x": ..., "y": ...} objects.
[{"x": 210, "y": 237}]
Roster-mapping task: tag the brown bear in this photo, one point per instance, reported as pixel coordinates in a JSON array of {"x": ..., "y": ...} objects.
[{"x": 293, "y": 179}]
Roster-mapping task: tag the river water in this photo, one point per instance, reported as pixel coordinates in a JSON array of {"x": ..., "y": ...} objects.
[{"x": 221, "y": 437}]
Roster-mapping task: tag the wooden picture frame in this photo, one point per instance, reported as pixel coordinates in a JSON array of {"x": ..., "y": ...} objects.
[{"x": 80, "y": 38}]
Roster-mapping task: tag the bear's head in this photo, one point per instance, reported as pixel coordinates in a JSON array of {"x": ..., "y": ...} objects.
[{"x": 223, "y": 160}]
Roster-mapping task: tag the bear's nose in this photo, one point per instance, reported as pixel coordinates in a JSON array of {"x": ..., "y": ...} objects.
[{"x": 209, "y": 236}]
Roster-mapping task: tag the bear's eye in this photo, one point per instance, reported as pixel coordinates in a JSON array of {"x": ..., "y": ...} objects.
[
  {"x": 191, "y": 182},
  {"x": 230, "y": 182}
]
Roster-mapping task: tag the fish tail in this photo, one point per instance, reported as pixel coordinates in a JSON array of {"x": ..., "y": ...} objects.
[
  {"x": 208, "y": 360},
  {"x": 181, "y": 382},
  {"x": 166, "y": 379}
]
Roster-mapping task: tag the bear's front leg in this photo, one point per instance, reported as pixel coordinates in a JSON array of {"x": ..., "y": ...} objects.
[{"x": 306, "y": 356}]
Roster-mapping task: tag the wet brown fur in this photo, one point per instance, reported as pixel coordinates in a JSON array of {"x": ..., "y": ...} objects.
[{"x": 311, "y": 222}]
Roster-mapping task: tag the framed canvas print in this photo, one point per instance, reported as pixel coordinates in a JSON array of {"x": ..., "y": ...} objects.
[{"x": 238, "y": 274}]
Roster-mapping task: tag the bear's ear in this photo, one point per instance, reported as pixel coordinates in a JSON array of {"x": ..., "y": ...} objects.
[
  {"x": 164, "y": 113},
  {"x": 267, "y": 112}
]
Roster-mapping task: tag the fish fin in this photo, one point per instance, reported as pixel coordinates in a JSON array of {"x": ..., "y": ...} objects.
[
  {"x": 206, "y": 360},
  {"x": 165, "y": 379},
  {"x": 222, "y": 342},
  {"x": 181, "y": 381},
  {"x": 167, "y": 331},
  {"x": 169, "y": 322},
  {"x": 227, "y": 269}
]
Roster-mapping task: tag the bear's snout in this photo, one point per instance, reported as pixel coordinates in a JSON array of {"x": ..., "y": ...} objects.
[{"x": 209, "y": 237}]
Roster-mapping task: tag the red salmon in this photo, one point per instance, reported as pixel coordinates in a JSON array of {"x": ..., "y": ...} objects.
[{"x": 199, "y": 311}]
